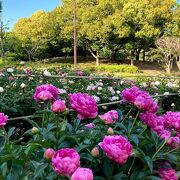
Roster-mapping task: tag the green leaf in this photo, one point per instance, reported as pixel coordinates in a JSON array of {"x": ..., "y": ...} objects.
[
  {"x": 99, "y": 178},
  {"x": 120, "y": 176},
  {"x": 149, "y": 162},
  {"x": 134, "y": 138},
  {"x": 108, "y": 169},
  {"x": 172, "y": 158},
  {"x": 40, "y": 169},
  {"x": 10, "y": 132},
  {"x": 151, "y": 178}
]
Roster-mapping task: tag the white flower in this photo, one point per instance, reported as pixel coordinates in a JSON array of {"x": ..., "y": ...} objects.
[
  {"x": 99, "y": 84},
  {"x": 170, "y": 85},
  {"x": 99, "y": 88},
  {"x": 157, "y": 83},
  {"x": 22, "y": 62},
  {"x": 104, "y": 107},
  {"x": 10, "y": 70},
  {"x": 96, "y": 98},
  {"x": 71, "y": 82},
  {"x": 1, "y": 89},
  {"x": 114, "y": 98},
  {"x": 23, "y": 85},
  {"x": 143, "y": 84},
  {"x": 46, "y": 73},
  {"x": 122, "y": 82},
  {"x": 172, "y": 105},
  {"x": 166, "y": 93},
  {"x": 62, "y": 91},
  {"x": 111, "y": 90},
  {"x": 90, "y": 87}
]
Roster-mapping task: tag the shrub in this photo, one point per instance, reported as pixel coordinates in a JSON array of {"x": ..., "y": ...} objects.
[{"x": 117, "y": 68}]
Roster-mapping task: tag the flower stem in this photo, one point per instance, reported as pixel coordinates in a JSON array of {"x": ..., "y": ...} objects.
[
  {"x": 160, "y": 148},
  {"x": 5, "y": 135},
  {"x": 171, "y": 150},
  {"x": 127, "y": 114},
  {"x": 133, "y": 123},
  {"x": 131, "y": 166}
]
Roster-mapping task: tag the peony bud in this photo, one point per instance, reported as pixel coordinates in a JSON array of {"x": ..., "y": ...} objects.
[
  {"x": 1, "y": 89},
  {"x": 95, "y": 152},
  {"x": 49, "y": 153},
  {"x": 35, "y": 130},
  {"x": 110, "y": 131},
  {"x": 23, "y": 85}
]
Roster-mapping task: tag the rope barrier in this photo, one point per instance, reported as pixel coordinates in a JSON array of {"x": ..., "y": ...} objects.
[
  {"x": 96, "y": 77},
  {"x": 99, "y": 105}
]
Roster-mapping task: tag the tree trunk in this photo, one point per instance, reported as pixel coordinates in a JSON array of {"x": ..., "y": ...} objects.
[
  {"x": 85, "y": 52},
  {"x": 97, "y": 59},
  {"x": 168, "y": 67},
  {"x": 132, "y": 60},
  {"x": 144, "y": 55},
  {"x": 178, "y": 62},
  {"x": 137, "y": 54},
  {"x": 2, "y": 43},
  {"x": 113, "y": 55},
  {"x": 29, "y": 55},
  {"x": 95, "y": 56}
]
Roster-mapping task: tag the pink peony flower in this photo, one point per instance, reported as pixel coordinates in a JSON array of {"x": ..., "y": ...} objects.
[
  {"x": 156, "y": 123},
  {"x": 28, "y": 71},
  {"x": 172, "y": 120},
  {"x": 117, "y": 148},
  {"x": 146, "y": 103},
  {"x": 79, "y": 73},
  {"x": 84, "y": 104},
  {"x": 140, "y": 99},
  {"x": 44, "y": 96},
  {"x": 49, "y": 153},
  {"x": 66, "y": 161},
  {"x": 90, "y": 125},
  {"x": 58, "y": 106},
  {"x": 130, "y": 94},
  {"x": 167, "y": 174},
  {"x": 3, "y": 119},
  {"x": 110, "y": 117},
  {"x": 47, "y": 92},
  {"x": 82, "y": 174}
]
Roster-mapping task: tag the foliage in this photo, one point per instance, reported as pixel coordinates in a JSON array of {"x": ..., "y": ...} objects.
[
  {"x": 22, "y": 149},
  {"x": 102, "y": 26}
]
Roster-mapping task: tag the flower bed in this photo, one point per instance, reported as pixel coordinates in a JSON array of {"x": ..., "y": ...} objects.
[{"x": 66, "y": 135}]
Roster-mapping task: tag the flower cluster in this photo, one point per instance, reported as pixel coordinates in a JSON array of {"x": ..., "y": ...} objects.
[
  {"x": 167, "y": 173},
  {"x": 84, "y": 104},
  {"x": 117, "y": 148},
  {"x": 66, "y": 162},
  {"x": 141, "y": 99},
  {"x": 46, "y": 92},
  {"x": 172, "y": 120},
  {"x": 159, "y": 125}
]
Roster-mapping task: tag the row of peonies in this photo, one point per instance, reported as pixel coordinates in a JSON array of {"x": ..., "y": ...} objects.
[
  {"x": 66, "y": 162},
  {"x": 164, "y": 125}
]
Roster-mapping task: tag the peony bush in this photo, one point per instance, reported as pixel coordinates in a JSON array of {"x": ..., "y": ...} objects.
[{"x": 66, "y": 134}]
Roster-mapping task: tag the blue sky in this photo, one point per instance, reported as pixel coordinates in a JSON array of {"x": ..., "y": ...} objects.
[{"x": 15, "y": 9}]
